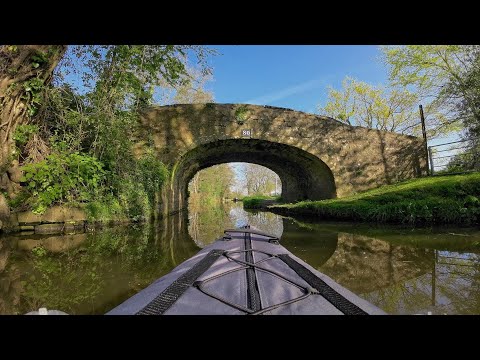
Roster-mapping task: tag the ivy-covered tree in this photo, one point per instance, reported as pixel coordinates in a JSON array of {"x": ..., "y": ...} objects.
[{"x": 25, "y": 70}]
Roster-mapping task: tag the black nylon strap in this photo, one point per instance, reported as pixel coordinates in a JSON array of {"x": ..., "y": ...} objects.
[
  {"x": 253, "y": 295},
  {"x": 172, "y": 293},
  {"x": 337, "y": 300}
]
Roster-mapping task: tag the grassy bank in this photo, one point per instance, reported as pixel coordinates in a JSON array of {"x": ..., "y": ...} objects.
[
  {"x": 438, "y": 200},
  {"x": 259, "y": 201}
]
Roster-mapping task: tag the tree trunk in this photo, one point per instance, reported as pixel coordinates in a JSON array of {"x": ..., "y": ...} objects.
[{"x": 20, "y": 67}]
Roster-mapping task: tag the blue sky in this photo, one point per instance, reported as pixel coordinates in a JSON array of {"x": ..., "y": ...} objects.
[{"x": 294, "y": 76}]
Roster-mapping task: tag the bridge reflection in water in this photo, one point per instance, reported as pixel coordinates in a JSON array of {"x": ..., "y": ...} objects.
[{"x": 401, "y": 271}]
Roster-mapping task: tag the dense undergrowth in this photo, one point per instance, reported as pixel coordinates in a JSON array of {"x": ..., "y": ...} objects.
[
  {"x": 79, "y": 143},
  {"x": 76, "y": 178}
]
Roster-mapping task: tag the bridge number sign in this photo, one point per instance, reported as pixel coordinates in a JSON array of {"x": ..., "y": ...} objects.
[{"x": 247, "y": 133}]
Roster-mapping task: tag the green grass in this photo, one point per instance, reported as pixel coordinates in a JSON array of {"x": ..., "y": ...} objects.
[
  {"x": 256, "y": 201},
  {"x": 453, "y": 199}
]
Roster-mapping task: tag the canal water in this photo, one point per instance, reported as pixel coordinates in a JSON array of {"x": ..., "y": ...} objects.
[{"x": 402, "y": 271}]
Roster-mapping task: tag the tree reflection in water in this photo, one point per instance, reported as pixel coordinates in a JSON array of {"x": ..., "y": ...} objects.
[
  {"x": 92, "y": 276},
  {"x": 206, "y": 224},
  {"x": 452, "y": 286}
]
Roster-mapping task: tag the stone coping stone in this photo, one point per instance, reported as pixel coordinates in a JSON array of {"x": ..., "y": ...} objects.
[{"x": 55, "y": 214}]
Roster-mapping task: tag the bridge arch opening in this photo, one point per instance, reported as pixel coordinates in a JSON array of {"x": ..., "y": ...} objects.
[
  {"x": 303, "y": 175},
  {"x": 213, "y": 205},
  {"x": 234, "y": 180}
]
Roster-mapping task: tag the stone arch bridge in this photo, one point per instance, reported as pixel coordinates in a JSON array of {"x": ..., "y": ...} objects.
[{"x": 316, "y": 157}]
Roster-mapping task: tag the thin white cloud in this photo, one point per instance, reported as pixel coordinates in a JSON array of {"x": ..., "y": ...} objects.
[{"x": 282, "y": 94}]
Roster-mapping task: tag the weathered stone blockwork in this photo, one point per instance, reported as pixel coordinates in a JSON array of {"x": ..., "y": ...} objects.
[
  {"x": 316, "y": 157},
  {"x": 57, "y": 219}
]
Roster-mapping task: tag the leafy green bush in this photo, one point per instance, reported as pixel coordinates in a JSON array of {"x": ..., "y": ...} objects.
[
  {"x": 33, "y": 94},
  {"x": 135, "y": 200},
  {"x": 62, "y": 177},
  {"x": 105, "y": 209},
  {"x": 23, "y": 132},
  {"x": 132, "y": 196},
  {"x": 152, "y": 174}
]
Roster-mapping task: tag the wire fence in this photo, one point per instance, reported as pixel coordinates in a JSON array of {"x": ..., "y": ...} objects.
[{"x": 453, "y": 157}]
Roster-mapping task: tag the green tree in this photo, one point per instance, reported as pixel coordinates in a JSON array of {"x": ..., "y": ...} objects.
[
  {"x": 207, "y": 190},
  {"x": 376, "y": 107},
  {"x": 121, "y": 80},
  {"x": 439, "y": 75},
  {"x": 469, "y": 110},
  {"x": 192, "y": 91},
  {"x": 211, "y": 185},
  {"x": 467, "y": 160},
  {"x": 260, "y": 180}
]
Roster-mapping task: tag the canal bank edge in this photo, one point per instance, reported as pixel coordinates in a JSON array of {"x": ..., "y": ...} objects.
[
  {"x": 439, "y": 200},
  {"x": 56, "y": 220}
]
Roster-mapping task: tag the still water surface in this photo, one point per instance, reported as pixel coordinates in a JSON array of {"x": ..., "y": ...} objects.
[{"x": 402, "y": 271}]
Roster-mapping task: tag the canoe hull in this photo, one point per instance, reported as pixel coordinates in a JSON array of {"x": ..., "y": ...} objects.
[{"x": 245, "y": 273}]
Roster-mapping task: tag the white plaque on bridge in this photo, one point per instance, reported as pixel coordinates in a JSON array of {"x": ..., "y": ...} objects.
[{"x": 247, "y": 133}]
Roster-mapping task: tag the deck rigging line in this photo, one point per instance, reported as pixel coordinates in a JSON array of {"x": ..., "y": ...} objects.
[{"x": 174, "y": 291}]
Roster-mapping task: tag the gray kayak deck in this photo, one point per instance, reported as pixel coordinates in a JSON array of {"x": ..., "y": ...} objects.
[{"x": 245, "y": 273}]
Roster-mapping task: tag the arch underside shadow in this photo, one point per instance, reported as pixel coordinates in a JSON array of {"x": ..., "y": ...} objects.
[{"x": 303, "y": 175}]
